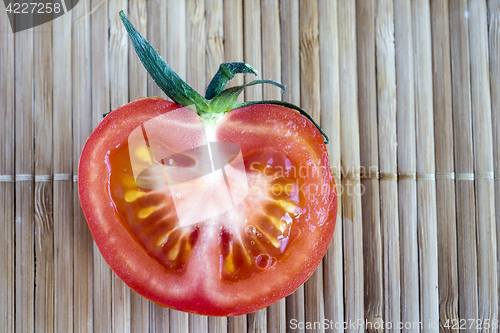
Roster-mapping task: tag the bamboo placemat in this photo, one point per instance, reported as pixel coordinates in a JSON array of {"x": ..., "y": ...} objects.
[{"x": 408, "y": 92}]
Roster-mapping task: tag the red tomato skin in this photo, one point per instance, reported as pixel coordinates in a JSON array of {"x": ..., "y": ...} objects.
[{"x": 144, "y": 274}]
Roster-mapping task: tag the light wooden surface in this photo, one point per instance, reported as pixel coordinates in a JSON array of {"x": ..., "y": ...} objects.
[
  {"x": 350, "y": 165},
  {"x": 445, "y": 185},
  {"x": 494, "y": 53},
  {"x": 483, "y": 162},
  {"x": 408, "y": 92},
  {"x": 369, "y": 159},
  {"x": 333, "y": 276},
  {"x": 407, "y": 165},
  {"x": 463, "y": 150},
  {"x": 426, "y": 186},
  {"x": 387, "y": 137},
  {"x": 7, "y": 167},
  {"x": 81, "y": 106}
]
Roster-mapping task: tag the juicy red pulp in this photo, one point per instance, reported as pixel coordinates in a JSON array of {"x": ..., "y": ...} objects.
[{"x": 252, "y": 245}]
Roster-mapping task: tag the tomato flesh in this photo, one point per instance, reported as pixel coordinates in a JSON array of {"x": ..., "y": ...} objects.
[
  {"x": 236, "y": 262},
  {"x": 260, "y": 241}
]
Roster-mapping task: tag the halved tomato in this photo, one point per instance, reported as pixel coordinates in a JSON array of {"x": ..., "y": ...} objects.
[{"x": 277, "y": 225}]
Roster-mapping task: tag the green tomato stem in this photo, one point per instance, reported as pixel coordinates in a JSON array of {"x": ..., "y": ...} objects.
[
  {"x": 225, "y": 73},
  {"x": 168, "y": 81}
]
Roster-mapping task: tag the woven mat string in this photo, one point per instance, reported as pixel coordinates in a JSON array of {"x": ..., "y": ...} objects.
[
  {"x": 7, "y": 179},
  {"x": 336, "y": 174},
  {"x": 24, "y": 177},
  {"x": 62, "y": 176},
  {"x": 37, "y": 178},
  {"x": 43, "y": 178}
]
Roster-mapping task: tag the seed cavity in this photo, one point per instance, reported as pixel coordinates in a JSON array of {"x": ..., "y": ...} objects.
[
  {"x": 288, "y": 206},
  {"x": 163, "y": 240},
  {"x": 129, "y": 181},
  {"x": 145, "y": 212},
  {"x": 174, "y": 251},
  {"x": 229, "y": 265},
  {"x": 143, "y": 153},
  {"x": 133, "y": 195}
]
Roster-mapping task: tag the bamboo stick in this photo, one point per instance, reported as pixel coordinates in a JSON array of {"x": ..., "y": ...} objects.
[
  {"x": 44, "y": 227},
  {"x": 7, "y": 169},
  {"x": 483, "y": 164},
  {"x": 102, "y": 291},
  {"x": 257, "y": 322},
  {"x": 387, "y": 136},
  {"x": 271, "y": 51},
  {"x": 233, "y": 32},
  {"x": 214, "y": 57},
  {"x": 276, "y": 317},
  {"x": 462, "y": 136},
  {"x": 215, "y": 36},
  {"x": 139, "y": 313},
  {"x": 426, "y": 187},
  {"x": 157, "y": 29},
  {"x": 82, "y": 113},
  {"x": 198, "y": 323},
  {"x": 237, "y": 324},
  {"x": 63, "y": 188},
  {"x": 309, "y": 58},
  {"x": 494, "y": 47},
  {"x": 195, "y": 49},
  {"x": 196, "y": 77},
  {"x": 233, "y": 51},
  {"x": 445, "y": 184},
  {"x": 159, "y": 319},
  {"x": 330, "y": 122},
  {"x": 137, "y": 85},
  {"x": 252, "y": 46},
  {"x": 310, "y": 101},
  {"x": 352, "y": 218},
  {"x": 176, "y": 57},
  {"x": 100, "y": 63},
  {"x": 176, "y": 36},
  {"x": 63, "y": 182},
  {"x": 118, "y": 89},
  {"x": 407, "y": 165},
  {"x": 179, "y": 321},
  {"x": 290, "y": 77},
  {"x": 218, "y": 325},
  {"x": 271, "y": 70},
  {"x": 233, "y": 44},
  {"x": 367, "y": 99},
  {"x": 24, "y": 230},
  {"x": 290, "y": 50}
]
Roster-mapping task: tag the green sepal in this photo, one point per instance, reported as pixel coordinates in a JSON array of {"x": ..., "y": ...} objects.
[
  {"x": 218, "y": 101},
  {"x": 226, "y": 72},
  {"x": 168, "y": 81},
  {"x": 290, "y": 106},
  {"x": 226, "y": 100}
]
